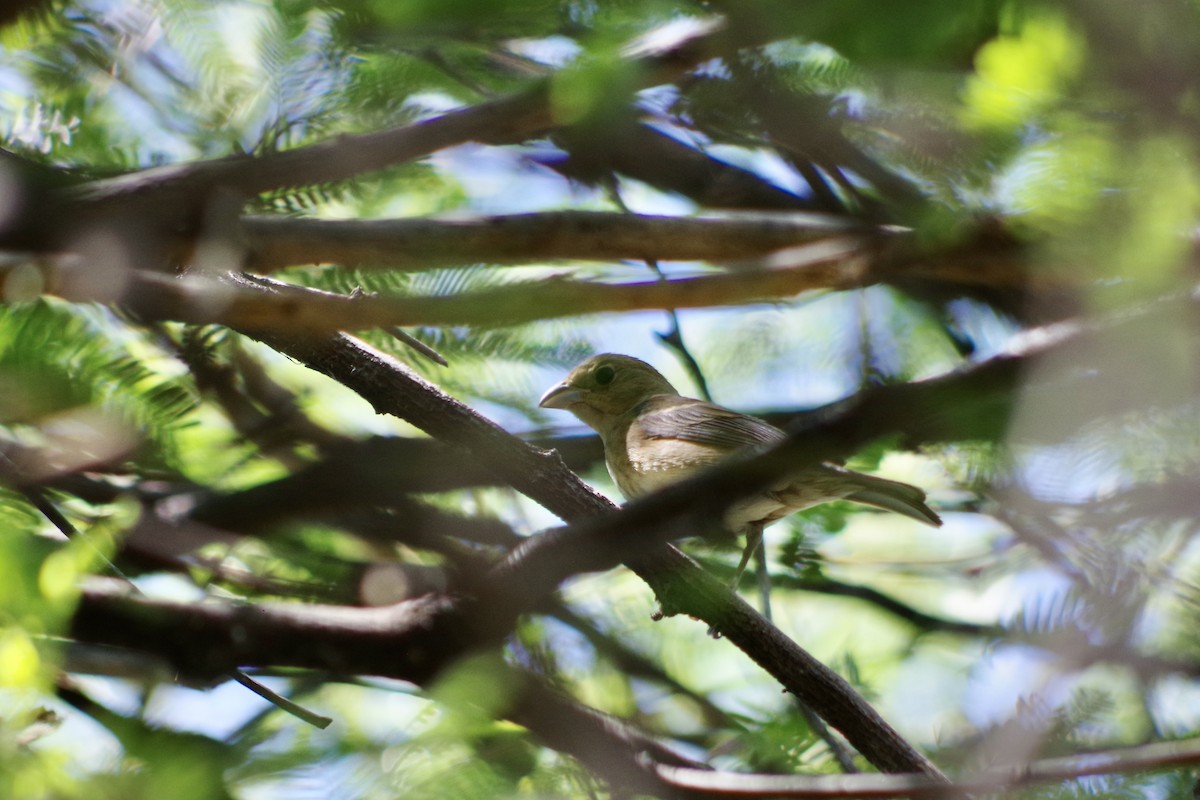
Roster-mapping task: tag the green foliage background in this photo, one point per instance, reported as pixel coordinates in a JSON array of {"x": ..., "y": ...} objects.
[{"x": 1070, "y": 126}]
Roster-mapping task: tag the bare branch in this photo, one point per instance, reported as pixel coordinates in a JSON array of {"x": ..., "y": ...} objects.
[
  {"x": 416, "y": 244},
  {"x": 1156, "y": 756},
  {"x": 244, "y": 302},
  {"x": 830, "y": 264},
  {"x": 503, "y": 120},
  {"x": 919, "y": 619}
]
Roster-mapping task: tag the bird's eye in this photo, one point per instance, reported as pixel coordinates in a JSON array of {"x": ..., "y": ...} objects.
[{"x": 605, "y": 375}]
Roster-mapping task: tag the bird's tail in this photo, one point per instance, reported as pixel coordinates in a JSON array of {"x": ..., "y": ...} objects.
[{"x": 894, "y": 496}]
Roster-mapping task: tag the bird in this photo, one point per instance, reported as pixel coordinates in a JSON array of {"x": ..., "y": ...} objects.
[{"x": 653, "y": 436}]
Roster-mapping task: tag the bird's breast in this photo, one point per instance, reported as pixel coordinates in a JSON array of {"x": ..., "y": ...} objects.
[
  {"x": 639, "y": 477},
  {"x": 644, "y": 464}
]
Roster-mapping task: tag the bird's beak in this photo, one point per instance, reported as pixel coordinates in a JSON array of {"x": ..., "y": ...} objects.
[{"x": 562, "y": 395}]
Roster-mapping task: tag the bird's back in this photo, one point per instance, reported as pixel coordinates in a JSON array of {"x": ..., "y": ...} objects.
[{"x": 668, "y": 438}]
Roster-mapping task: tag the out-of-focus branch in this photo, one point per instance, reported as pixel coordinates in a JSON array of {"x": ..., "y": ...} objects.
[
  {"x": 403, "y": 641},
  {"x": 208, "y": 639},
  {"x": 632, "y": 663},
  {"x": 700, "y": 784},
  {"x": 598, "y": 154},
  {"x": 274, "y": 242},
  {"x": 377, "y": 471},
  {"x": 919, "y": 619},
  {"x": 507, "y": 119},
  {"x": 163, "y": 202},
  {"x": 15, "y": 8},
  {"x": 246, "y": 302},
  {"x": 607, "y": 746},
  {"x": 37, "y": 497}
]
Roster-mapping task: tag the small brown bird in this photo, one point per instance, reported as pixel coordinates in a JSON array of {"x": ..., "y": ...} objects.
[{"x": 653, "y": 437}]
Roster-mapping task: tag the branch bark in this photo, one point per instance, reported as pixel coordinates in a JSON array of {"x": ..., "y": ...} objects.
[
  {"x": 417, "y": 244},
  {"x": 241, "y": 301}
]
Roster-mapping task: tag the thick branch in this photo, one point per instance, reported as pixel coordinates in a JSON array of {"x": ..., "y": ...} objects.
[
  {"x": 400, "y": 641},
  {"x": 275, "y": 242},
  {"x": 257, "y": 304},
  {"x": 845, "y": 262},
  {"x": 205, "y": 639}
]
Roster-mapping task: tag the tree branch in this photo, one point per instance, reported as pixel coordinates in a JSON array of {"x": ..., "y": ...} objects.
[
  {"x": 417, "y": 244},
  {"x": 830, "y": 263},
  {"x": 699, "y": 784},
  {"x": 919, "y": 619},
  {"x": 180, "y": 190},
  {"x": 244, "y": 302}
]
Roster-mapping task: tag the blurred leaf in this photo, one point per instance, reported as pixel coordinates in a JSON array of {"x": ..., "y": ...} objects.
[{"x": 1023, "y": 72}]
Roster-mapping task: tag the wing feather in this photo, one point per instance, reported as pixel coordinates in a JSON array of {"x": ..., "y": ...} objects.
[{"x": 689, "y": 420}]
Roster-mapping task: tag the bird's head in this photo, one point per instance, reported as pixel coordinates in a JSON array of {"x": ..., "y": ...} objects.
[{"x": 604, "y": 387}]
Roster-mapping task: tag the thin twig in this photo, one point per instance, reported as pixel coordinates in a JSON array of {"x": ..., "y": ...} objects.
[
  {"x": 673, "y": 338},
  {"x": 419, "y": 346},
  {"x": 702, "y": 784}
]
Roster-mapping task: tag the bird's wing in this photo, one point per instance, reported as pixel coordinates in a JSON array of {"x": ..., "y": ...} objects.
[{"x": 688, "y": 420}]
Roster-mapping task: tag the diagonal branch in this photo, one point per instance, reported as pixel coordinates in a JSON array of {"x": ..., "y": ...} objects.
[
  {"x": 337, "y": 159},
  {"x": 506, "y": 119}
]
